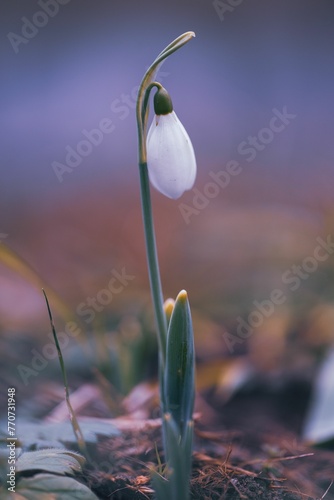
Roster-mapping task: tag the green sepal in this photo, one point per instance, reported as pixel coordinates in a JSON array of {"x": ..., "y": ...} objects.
[{"x": 162, "y": 102}]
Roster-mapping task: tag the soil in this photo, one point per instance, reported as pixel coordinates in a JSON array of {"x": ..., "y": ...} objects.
[
  {"x": 247, "y": 446},
  {"x": 250, "y": 450}
]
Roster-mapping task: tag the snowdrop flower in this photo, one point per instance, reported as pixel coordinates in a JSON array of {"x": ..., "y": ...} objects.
[
  {"x": 171, "y": 159},
  {"x": 166, "y": 158}
]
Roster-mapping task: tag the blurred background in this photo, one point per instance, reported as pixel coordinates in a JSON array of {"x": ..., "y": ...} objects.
[{"x": 255, "y": 87}]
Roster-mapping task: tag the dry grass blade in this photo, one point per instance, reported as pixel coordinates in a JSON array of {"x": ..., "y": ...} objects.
[
  {"x": 76, "y": 428},
  {"x": 327, "y": 491}
]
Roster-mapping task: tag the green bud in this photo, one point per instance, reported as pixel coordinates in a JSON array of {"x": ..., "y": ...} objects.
[{"x": 162, "y": 102}]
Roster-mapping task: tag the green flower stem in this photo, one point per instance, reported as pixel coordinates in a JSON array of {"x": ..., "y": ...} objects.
[
  {"x": 153, "y": 264},
  {"x": 146, "y": 99}
]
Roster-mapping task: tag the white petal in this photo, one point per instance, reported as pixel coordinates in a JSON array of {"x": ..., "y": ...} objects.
[{"x": 171, "y": 159}]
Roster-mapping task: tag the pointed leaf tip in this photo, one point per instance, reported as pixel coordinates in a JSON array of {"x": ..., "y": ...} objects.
[
  {"x": 182, "y": 296},
  {"x": 169, "y": 306}
]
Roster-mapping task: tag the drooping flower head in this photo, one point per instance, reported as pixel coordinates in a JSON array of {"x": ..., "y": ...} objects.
[{"x": 171, "y": 159}]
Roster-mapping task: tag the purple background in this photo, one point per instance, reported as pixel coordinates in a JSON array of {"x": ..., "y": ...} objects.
[{"x": 224, "y": 84}]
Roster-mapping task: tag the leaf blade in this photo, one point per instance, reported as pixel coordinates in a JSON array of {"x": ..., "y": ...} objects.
[
  {"x": 180, "y": 364},
  {"x": 55, "y": 460},
  {"x": 50, "y": 487}
]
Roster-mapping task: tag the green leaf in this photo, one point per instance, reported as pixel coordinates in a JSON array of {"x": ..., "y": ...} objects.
[
  {"x": 50, "y": 487},
  {"x": 161, "y": 485},
  {"x": 179, "y": 394},
  {"x": 4, "y": 463},
  {"x": 187, "y": 449},
  {"x": 179, "y": 458},
  {"x": 180, "y": 365},
  {"x": 50, "y": 460}
]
